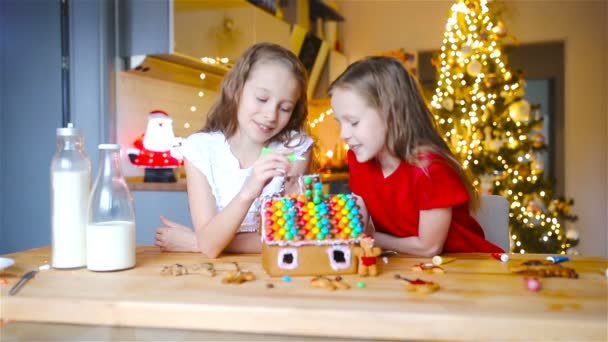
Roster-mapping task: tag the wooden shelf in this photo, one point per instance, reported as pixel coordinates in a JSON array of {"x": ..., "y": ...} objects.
[{"x": 138, "y": 184}]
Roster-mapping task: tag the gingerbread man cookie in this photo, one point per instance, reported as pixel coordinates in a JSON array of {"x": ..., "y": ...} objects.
[{"x": 368, "y": 256}]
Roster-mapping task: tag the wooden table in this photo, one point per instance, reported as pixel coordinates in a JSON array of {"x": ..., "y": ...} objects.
[{"x": 479, "y": 299}]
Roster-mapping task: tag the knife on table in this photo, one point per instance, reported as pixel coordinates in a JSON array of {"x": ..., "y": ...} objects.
[{"x": 24, "y": 279}]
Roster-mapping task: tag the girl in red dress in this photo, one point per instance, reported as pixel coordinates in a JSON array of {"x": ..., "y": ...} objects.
[{"x": 414, "y": 189}]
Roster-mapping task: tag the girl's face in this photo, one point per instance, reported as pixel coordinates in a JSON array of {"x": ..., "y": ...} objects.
[
  {"x": 361, "y": 126},
  {"x": 268, "y": 98}
]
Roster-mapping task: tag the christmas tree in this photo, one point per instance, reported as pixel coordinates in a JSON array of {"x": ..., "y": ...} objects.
[{"x": 479, "y": 107}]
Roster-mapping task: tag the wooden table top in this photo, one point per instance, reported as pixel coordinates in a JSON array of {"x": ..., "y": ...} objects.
[{"x": 479, "y": 299}]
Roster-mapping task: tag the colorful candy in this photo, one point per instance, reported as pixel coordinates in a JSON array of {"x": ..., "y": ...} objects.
[
  {"x": 533, "y": 284},
  {"x": 312, "y": 215}
]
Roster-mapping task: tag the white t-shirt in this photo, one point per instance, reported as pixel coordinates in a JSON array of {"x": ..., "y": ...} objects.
[{"x": 210, "y": 153}]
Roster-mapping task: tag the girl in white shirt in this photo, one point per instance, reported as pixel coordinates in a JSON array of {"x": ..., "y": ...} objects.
[{"x": 262, "y": 103}]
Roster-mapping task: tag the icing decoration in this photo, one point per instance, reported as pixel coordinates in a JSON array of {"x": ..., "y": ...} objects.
[
  {"x": 344, "y": 261},
  {"x": 288, "y": 258}
]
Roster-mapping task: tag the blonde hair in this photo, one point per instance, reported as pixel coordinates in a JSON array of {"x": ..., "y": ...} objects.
[
  {"x": 411, "y": 130},
  {"x": 223, "y": 114}
]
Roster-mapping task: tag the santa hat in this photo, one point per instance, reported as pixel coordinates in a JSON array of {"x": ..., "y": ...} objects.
[{"x": 157, "y": 113}]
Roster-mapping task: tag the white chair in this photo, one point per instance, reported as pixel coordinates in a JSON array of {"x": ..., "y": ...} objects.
[{"x": 493, "y": 216}]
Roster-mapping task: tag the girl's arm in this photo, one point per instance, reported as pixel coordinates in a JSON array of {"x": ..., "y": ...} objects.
[
  {"x": 245, "y": 243},
  {"x": 216, "y": 230},
  {"x": 251, "y": 242},
  {"x": 432, "y": 233}
]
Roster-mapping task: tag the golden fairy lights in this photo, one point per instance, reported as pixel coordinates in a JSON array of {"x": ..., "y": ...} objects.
[
  {"x": 471, "y": 65},
  {"x": 314, "y": 122},
  {"x": 223, "y": 61}
]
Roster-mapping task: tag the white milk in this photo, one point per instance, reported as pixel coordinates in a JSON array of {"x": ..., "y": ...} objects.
[
  {"x": 111, "y": 246},
  {"x": 70, "y": 196}
]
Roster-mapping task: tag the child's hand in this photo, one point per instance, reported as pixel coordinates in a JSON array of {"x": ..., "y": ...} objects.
[{"x": 268, "y": 166}]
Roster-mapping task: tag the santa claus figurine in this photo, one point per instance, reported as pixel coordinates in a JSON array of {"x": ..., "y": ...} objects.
[{"x": 157, "y": 149}]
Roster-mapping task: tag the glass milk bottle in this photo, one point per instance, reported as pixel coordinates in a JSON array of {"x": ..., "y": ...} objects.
[
  {"x": 70, "y": 186},
  {"x": 111, "y": 227}
]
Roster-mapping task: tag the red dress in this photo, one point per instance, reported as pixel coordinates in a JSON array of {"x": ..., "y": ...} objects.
[{"x": 394, "y": 202}]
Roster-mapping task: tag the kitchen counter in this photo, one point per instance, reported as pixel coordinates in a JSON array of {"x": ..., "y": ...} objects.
[{"x": 479, "y": 299}]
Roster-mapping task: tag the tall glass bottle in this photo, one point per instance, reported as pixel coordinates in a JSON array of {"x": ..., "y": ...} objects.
[
  {"x": 111, "y": 228},
  {"x": 70, "y": 185}
]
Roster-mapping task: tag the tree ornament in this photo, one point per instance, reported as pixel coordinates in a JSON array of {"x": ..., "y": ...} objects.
[
  {"x": 448, "y": 104},
  {"x": 466, "y": 51},
  {"x": 500, "y": 30},
  {"x": 523, "y": 170},
  {"x": 483, "y": 35},
  {"x": 572, "y": 233},
  {"x": 474, "y": 68},
  {"x": 538, "y": 165},
  {"x": 533, "y": 207},
  {"x": 538, "y": 140},
  {"x": 477, "y": 135},
  {"x": 520, "y": 111},
  {"x": 494, "y": 145},
  {"x": 490, "y": 80}
]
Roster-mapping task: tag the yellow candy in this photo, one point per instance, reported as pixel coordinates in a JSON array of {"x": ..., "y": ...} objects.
[
  {"x": 282, "y": 231},
  {"x": 281, "y": 221},
  {"x": 315, "y": 230},
  {"x": 347, "y": 230},
  {"x": 344, "y": 211}
]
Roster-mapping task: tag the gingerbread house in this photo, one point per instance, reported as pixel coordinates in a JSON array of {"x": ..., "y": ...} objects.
[{"x": 311, "y": 233}]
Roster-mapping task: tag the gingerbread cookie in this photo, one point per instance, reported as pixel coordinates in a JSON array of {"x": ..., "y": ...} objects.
[
  {"x": 543, "y": 268},
  {"x": 427, "y": 267},
  {"x": 418, "y": 285},
  {"x": 329, "y": 284}
]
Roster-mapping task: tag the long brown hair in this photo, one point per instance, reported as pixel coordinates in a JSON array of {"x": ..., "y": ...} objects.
[
  {"x": 223, "y": 114},
  {"x": 411, "y": 130}
]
